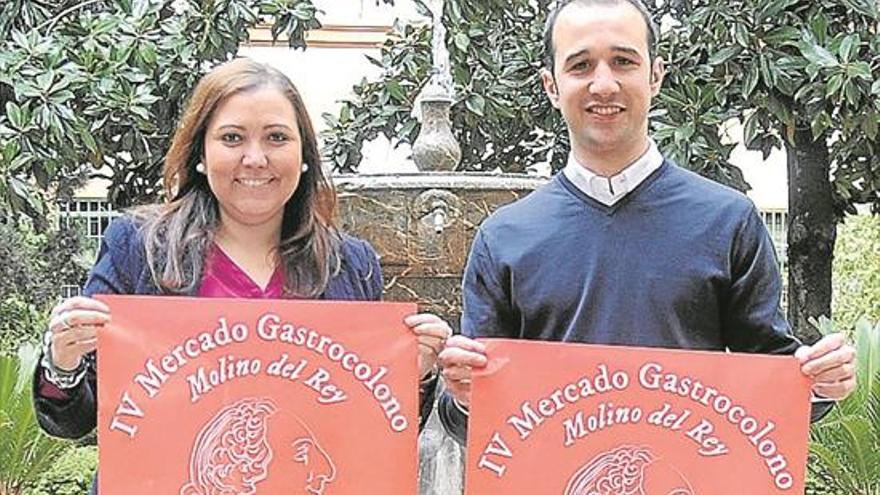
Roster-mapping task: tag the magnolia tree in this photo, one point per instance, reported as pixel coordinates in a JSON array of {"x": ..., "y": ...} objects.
[
  {"x": 803, "y": 75},
  {"x": 94, "y": 88},
  {"x": 800, "y": 75}
]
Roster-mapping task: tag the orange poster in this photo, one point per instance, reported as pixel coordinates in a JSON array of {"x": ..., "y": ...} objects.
[
  {"x": 234, "y": 396},
  {"x": 574, "y": 419}
]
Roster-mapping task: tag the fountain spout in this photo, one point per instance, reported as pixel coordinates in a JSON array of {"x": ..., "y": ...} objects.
[{"x": 439, "y": 215}]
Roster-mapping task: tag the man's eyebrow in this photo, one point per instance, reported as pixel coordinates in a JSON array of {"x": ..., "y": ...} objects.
[
  {"x": 629, "y": 50},
  {"x": 579, "y": 53},
  {"x": 626, "y": 49}
]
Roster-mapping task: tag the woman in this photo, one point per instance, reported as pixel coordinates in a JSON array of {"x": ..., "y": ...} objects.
[{"x": 250, "y": 215}]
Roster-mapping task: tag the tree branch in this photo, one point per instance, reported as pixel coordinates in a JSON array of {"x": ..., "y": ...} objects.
[{"x": 53, "y": 21}]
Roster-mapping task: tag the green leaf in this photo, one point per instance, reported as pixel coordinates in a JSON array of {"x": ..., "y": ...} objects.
[
  {"x": 780, "y": 110},
  {"x": 462, "y": 42},
  {"x": 105, "y": 25},
  {"x": 773, "y": 8},
  {"x": 724, "y": 55},
  {"x": 751, "y": 80},
  {"x": 476, "y": 32},
  {"x": 395, "y": 90},
  {"x": 15, "y": 115},
  {"x": 751, "y": 129},
  {"x": 867, "y": 8},
  {"x": 833, "y": 85},
  {"x": 45, "y": 80},
  {"x": 741, "y": 35},
  {"x": 140, "y": 112},
  {"x": 330, "y": 119},
  {"x": 861, "y": 70},
  {"x": 767, "y": 72},
  {"x": 786, "y": 84},
  {"x": 819, "y": 28},
  {"x": 782, "y": 35},
  {"x": 11, "y": 150},
  {"x": 407, "y": 128},
  {"x": 476, "y": 104},
  {"x": 20, "y": 39},
  {"x": 805, "y": 91},
  {"x": 61, "y": 97},
  {"x": 870, "y": 124},
  {"x": 849, "y": 47},
  {"x": 27, "y": 452},
  {"x": 684, "y": 133},
  {"x": 19, "y": 162},
  {"x": 819, "y": 124},
  {"x": 148, "y": 54},
  {"x": 89, "y": 141},
  {"x": 817, "y": 55},
  {"x": 374, "y": 60},
  {"x": 851, "y": 90},
  {"x": 24, "y": 192}
]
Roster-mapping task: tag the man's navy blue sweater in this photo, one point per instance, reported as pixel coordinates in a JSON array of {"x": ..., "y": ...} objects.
[{"x": 679, "y": 262}]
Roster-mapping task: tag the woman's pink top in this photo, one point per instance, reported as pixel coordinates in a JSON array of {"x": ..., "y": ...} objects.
[{"x": 224, "y": 278}]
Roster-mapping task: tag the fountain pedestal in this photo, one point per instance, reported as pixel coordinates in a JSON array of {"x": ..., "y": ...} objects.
[{"x": 422, "y": 226}]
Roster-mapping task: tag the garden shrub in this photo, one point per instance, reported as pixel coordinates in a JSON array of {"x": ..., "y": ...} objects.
[
  {"x": 71, "y": 475},
  {"x": 845, "y": 445},
  {"x": 856, "y": 280},
  {"x": 33, "y": 268}
]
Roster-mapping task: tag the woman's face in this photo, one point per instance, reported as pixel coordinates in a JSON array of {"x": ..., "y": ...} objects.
[{"x": 253, "y": 157}]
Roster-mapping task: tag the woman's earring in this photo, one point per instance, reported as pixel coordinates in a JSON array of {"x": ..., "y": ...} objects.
[
  {"x": 200, "y": 168},
  {"x": 305, "y": 168}
]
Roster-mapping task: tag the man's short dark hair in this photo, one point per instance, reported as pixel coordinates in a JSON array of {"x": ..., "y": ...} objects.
[{"x": 550, "y": 50}]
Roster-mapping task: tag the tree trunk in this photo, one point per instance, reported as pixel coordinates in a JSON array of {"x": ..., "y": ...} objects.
[{"x": 812, "y": 230}]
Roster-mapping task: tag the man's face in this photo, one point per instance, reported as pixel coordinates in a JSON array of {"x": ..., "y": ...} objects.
[
  {"x": 300, "y": 465},
  {"x": 603, "y": 80},
  {"x": 316, "y": 464}
]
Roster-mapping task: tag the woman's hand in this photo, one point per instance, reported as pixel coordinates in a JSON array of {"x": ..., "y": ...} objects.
[
  {"x": 432, "y": 332},
  {"x": 73, "y": 330}
]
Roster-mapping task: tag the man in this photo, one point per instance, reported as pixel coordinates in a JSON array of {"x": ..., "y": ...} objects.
[{"x": 623, "y": 247}]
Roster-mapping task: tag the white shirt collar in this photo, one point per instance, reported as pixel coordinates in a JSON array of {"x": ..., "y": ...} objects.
[{"x": 609, "y": 190}]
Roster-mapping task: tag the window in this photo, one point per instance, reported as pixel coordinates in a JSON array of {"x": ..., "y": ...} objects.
[
  {"x": 777, "y": 223},
  {"x": 92, "y": 216}
]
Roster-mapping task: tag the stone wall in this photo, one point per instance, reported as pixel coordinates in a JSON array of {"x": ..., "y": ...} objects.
[{"x": 422, "y": 226}]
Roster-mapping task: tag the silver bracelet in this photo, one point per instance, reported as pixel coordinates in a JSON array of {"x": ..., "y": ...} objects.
[{"x": 63, "y": 379}]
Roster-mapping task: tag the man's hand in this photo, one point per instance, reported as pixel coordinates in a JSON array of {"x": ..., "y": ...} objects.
[
  {"x": 830, "y": 364},
  {"x": 457, "y": 359},
  {"x": 432, "y": 332}
]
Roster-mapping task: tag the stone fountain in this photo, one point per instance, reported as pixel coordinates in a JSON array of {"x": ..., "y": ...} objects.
[{"x": 422, "y": 225}]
